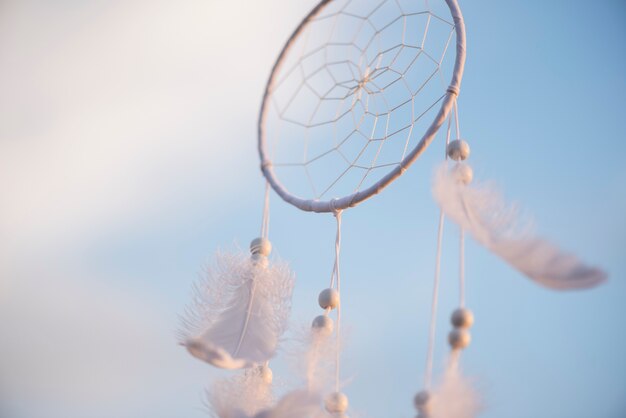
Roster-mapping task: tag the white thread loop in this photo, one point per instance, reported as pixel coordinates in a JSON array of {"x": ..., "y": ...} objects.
[{"x": 453, "y": 90}]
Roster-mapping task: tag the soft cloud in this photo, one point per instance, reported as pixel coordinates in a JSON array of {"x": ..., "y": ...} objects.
[
  {"x": 113, "y": 114},
  {"x": 112, "y": 108},
  {"x": 72, "y": 342}
]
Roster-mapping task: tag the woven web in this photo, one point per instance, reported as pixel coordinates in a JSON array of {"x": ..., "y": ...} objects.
[{"x": 355, "y": 93}]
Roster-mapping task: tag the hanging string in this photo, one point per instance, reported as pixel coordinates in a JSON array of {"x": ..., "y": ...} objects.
[
  {"x": 336, "y": 279},
  {"x": 335, "y": 273},
  {"x": 265, "y": 223},
  {"x": 433, "y": 310},
  {"x": 462, "y": 234},
  {"x": 456, "y": 120},
  {"x": 462, "y": 269}
]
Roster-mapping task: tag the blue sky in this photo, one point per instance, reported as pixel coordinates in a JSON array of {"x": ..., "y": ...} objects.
[{"x": 128, "y": 156}]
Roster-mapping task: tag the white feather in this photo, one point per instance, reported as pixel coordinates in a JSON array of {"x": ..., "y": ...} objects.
[
  {"x": 319, "y": 360},
  {"x": 455, "y": 396},
  {"x": 241, "y": 396},
  {"x": 296, "y": 404},
  {"x": 239, "y": 313},
  {"x": 247, "y": 395},
  {"x": 480, "y": 210}
]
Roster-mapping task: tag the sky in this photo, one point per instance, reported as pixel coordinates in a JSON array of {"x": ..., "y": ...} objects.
[{"x": 128, "y": 157}]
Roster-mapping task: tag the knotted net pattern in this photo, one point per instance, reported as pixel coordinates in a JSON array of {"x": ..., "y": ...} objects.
[{"x": 355, "y": 92}]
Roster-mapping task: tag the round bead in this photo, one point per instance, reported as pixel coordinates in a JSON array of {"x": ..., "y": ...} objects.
[
  {"x": 458, "y": 150},
  {"x": 323, "y": 324},
  {"x": 459, "y": 338},
  {"x": 261, "y": 246},
  {"x": 336, "y": 402},
  {"x": 422, "y": 402},
  {"x": 328, "y": 298},
  {"x": 462, "y": 318},
  {"x": 266, "y": 374},
  {"x": 463, "y": 173},
  {"x": 260, "y": 260},
  {"x": 421, "y": 398}
]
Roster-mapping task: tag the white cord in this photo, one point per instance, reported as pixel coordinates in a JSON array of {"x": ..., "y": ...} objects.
[
  {"x": 462, "y": 269},
  {"x": 462, "y": 233},
  {"x": 265, "y": 222},
  {"x": 337, "y": 276},
  {"x": 433, "y": 312}
]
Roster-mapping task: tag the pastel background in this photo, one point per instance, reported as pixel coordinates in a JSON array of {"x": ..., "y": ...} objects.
[{"x": 128, "y": 156}]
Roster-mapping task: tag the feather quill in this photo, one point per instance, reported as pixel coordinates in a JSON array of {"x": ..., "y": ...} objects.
[
  {"x": 239, "y": 312},
  {"x": 481, "y": 211}
]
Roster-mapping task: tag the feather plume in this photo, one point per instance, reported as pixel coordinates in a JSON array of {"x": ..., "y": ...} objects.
[
  {"x": 241, "y": 396},
  {"x": 300, "y": 404},
  {"x": 248, "y": 395},
  {"x": 455, "y": 396},
  {"x": 239, "y": 312},
  {"x": 480, "y": 210},
  {"x": 318, "y": 359}
]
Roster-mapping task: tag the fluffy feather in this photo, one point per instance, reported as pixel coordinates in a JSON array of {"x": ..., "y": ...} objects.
[
  {"x": 248, "y": 396},
  {"x": 311, "y": 356},
  {"x": 296, "y": 404},
  {"x": 455, "y": 396},
  {"x": 481, "y": 211},
  {"x": 319, "y": 359},
  {"x": 241, "y": 396},
  {"x": 240, "y": 310}
]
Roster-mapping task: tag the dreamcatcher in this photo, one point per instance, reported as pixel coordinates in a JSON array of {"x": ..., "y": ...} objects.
[{"x": 358, "y": 92}]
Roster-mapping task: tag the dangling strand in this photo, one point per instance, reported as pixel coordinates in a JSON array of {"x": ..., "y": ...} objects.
[
  {"x": 422, "y": 399},
  {"x": 338, "y": 287},
  {"x": 260, "y": 249},
  {"x": 336, "y": 402},
  {"x": 462, "y": 232},
  {"x": 433, "y": 309},
  {"x": 461, "y": 319},
  {"x": 462, "y": 269},
  {"x": 265, "y": 222}
]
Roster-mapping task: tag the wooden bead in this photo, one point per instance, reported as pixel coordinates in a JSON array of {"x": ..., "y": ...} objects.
[
  {"x": 459, "y": 338},
  {"x": 458, "y": 150},
  {"x": 462, "y": 318},
  {"x": 323, "y": 324},
  {"x": 328, "y": 298},
  {"x": 336, "y": 402}
]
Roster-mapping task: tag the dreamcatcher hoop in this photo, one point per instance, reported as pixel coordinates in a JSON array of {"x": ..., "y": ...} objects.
[{"x": 351, "y": 200}]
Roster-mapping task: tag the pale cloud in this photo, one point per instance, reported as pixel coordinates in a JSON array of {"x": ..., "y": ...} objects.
[
  {"x": 109, "y": 108},
  {"x": 76, "y": 347},
  {"x": 110, "y": 112}
]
